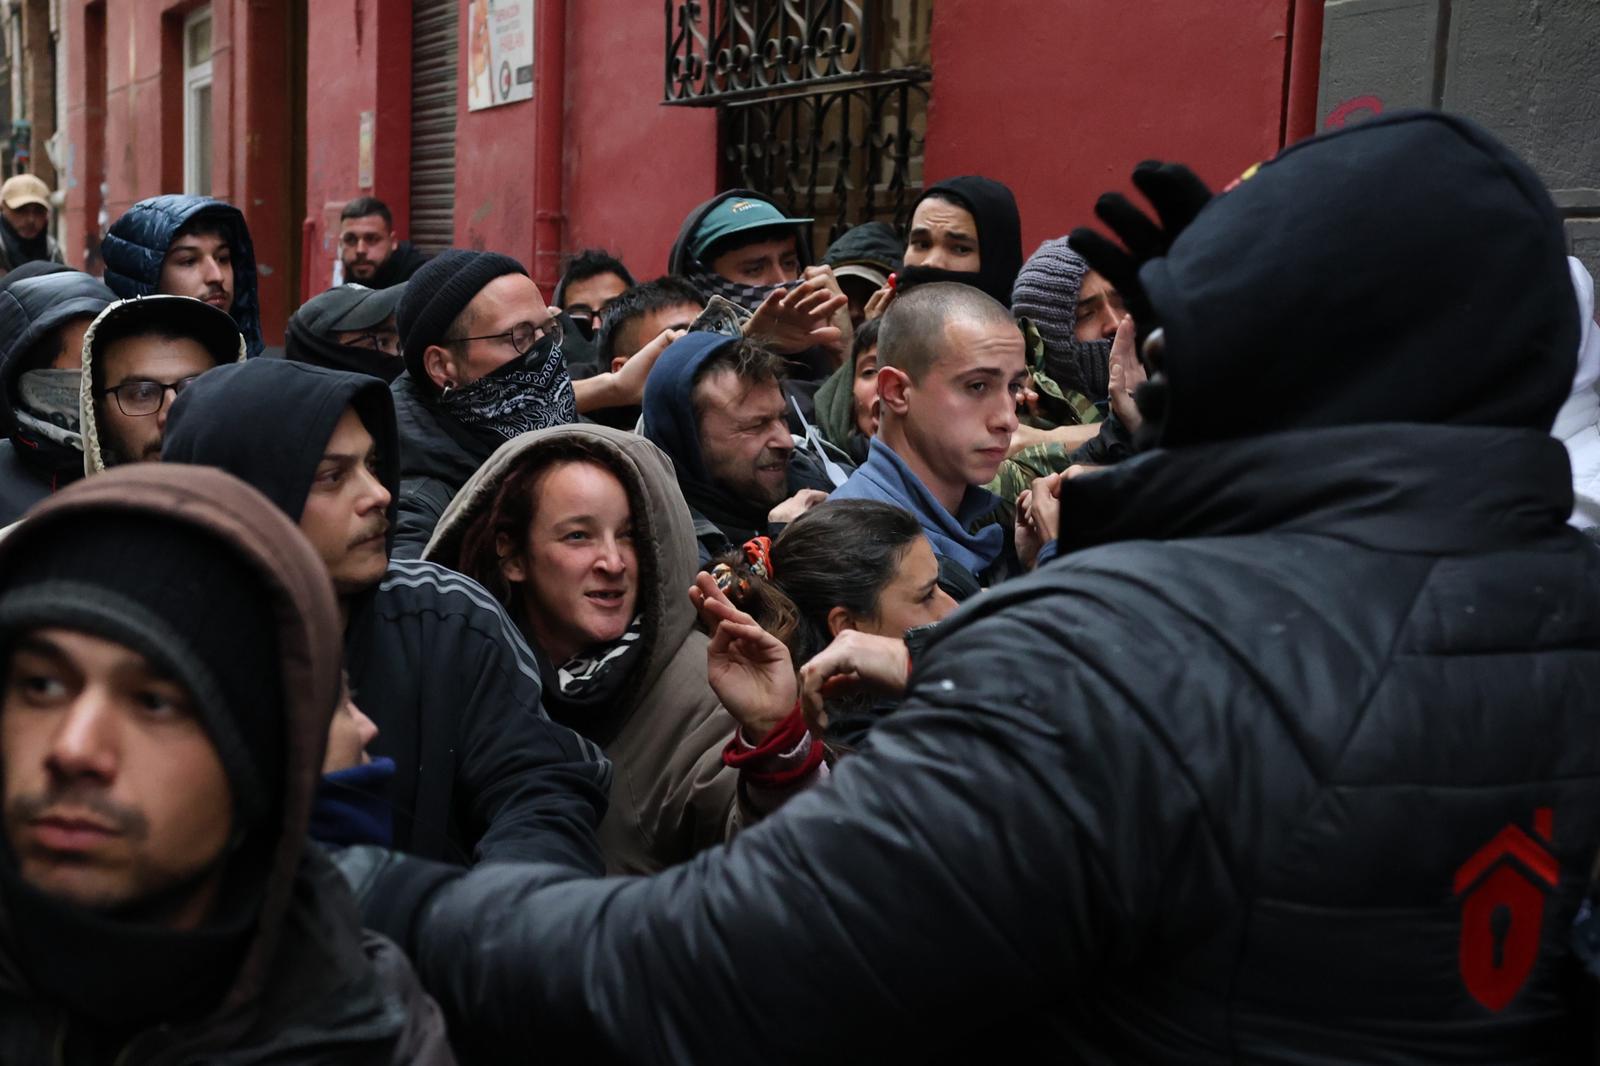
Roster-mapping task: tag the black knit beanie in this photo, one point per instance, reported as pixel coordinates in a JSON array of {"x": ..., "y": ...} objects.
[
  {"x": 436, "y": 294},
  {"x": 185, "y": 601}
]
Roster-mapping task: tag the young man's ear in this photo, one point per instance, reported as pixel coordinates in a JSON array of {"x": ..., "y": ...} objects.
[
  {"x": 893, "y": 384},
  {"x": 618, "y": 363},
  {"x": 440, "y": 364},
  {"x": 839, "y": 620},
  {"x": 511, "y": 567}
]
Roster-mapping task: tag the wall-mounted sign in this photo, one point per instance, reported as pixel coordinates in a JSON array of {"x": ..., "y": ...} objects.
[
  {"x": 500, "y": 52},
  {"x": 364, "y": 150}
]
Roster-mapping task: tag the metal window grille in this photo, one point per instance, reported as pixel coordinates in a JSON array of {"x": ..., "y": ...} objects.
[{"x": 824, "y": 102}]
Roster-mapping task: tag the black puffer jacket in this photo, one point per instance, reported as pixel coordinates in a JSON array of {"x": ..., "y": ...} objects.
[
  {"x": 437, "y": 456},
  {"x": 1241, "y": 789},
  {"x": 1294, "y": 758},
  {"x": 137, "y": 243},
  {"x": 35, "y": 461}
]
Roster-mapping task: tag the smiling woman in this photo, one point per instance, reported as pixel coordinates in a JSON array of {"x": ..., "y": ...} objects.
[{"x": 582, "y": 534}]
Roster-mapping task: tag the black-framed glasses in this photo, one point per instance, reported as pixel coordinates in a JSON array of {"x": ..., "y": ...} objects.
[
  {"x": 140, "y": 398},
  {"x": 385, "y": 343},
  {"x": 524, "y": 335}
]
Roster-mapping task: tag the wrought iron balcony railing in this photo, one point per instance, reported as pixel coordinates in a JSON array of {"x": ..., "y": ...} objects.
[{"x": 734, "y": 51}]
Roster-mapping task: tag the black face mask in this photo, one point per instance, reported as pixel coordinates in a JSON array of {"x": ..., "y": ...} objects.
[
  {"x": 306, "y": 346},
  {"x": 912, "y": 276},
  {"x": 533, "y": 392}
]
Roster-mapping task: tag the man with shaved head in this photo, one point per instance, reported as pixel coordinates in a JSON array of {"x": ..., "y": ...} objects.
[{"x": 951, "y": 363}]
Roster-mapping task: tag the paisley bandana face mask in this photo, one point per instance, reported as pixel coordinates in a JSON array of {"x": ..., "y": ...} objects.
[{"x": 533, "y": 392}]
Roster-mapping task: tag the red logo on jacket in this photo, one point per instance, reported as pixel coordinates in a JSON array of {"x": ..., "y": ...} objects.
[{"x": 1502, "y": 890}]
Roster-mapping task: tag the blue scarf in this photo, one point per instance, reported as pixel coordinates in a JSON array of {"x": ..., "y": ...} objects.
[
  {"x": 352, "y": 806},
  {"x": 886, "y": 477}
]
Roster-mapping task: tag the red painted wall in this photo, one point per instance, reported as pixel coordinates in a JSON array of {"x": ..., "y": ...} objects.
[
  {"x": 138, "y": 143},
  {"x": 1063, "y": 111},
  {"x": 634, "y": 168},
  {"x": 358, "y": 58}
]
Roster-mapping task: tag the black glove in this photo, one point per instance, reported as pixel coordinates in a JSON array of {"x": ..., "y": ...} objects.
[{"x": 1178, "y": 195}]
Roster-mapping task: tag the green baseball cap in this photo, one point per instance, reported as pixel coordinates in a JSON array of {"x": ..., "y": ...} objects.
[{"x": 738, "y": 215}]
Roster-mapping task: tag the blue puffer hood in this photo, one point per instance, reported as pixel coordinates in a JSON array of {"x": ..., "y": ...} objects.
[{"x": 138, "y": 241}]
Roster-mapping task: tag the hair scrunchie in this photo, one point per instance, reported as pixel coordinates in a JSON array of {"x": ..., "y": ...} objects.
[{"x": 758, "y": 553}]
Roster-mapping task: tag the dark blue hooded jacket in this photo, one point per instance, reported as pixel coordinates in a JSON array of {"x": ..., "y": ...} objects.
[
  {"x": 722, "y": 519},
  {"x": 138, "y": 241}
]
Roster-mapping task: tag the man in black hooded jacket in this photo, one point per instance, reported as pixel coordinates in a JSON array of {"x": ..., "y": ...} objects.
[
  {"x": 42, "y": 323},
  {"x": 1294, "y": 757},
  {"x": 482, "y": 773},
  {"x": 172, "y": 665}
]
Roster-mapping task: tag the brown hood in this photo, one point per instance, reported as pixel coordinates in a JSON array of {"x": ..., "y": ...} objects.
[
  {"x": 665, "y": 530},
  {"x": 309, "y": 633}
]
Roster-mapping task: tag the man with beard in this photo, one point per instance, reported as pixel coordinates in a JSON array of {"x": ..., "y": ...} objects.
[
  {"x": 187, "y": 246},
  {"x": 481, "y": 773},
  {"x": 368, "y": 250},
  {"x": 741, "y": 247},
  {"x": 715, "y": 406},
  {"x": 138, "y": 355},
  {"x": 484, "y": 362},
  {"x": 25, "y": 224},
  {"x": 171, "y": 666}
]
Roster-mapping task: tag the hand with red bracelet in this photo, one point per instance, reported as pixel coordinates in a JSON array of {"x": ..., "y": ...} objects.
[
  {"x": 749, "y": 669},
  {"x": 854, "y": 660}
]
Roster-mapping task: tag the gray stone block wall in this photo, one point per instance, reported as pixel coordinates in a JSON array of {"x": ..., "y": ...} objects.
[{"x": 1529, "y": 70}]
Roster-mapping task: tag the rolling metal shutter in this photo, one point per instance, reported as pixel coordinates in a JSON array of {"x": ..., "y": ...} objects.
[{"x": 433, "y": 123}]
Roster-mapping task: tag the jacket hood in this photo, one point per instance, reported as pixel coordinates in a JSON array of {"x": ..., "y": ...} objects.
[
  {"x": 669, "y": 416},
  {"x": 136, "y": 244},
  {"x": 308, "y": 629},
  {"x": 873, "y": 244},
  {"x": 681, "y": 262},
  {"x": 267, "y": 422},
  {"x": 93, "y": 456},
  {"x": 663, "y": 527},
  {"x": 30, "y": 309},
  {"x": 994, "y": 210},
  {"x": 311, "y": 336},
  {"x": 1408, "y": 269}
]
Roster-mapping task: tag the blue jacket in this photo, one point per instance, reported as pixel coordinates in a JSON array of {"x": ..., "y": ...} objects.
[{"x": 138, "y": 241}]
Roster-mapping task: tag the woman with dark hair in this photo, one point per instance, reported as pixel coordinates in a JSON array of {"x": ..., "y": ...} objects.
[
  {"x": 581, "y": 532},
  {"x": 844, "y": 567}
]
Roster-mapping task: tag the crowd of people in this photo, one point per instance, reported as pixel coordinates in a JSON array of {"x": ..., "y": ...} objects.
[{"x": 1170, "y": 648}]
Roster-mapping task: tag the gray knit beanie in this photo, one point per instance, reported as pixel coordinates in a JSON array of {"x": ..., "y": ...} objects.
[
  {"x": 1046, "y": 293},
  {"x": 1046, "y": 290}
]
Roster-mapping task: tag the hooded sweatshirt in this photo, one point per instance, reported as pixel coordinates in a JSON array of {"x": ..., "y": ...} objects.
[
  {"x": 44, "y": 449},
  {"x": 994, "y": 210},
  {"x": 681, "y": 261},
  {"x": 310, "y": 986},
  {"x": 137, "y": 243},
  {"x": 664, "y": 729},
  {"x": 94, "y": 460},
  {"x": 481, "y": 772},
  {"x": 311, "y": 336},
  {"x": 670, "y": 423}
]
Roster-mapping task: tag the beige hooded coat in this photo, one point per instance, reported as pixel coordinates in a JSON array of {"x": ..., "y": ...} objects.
[{"x": 671, "y": 796}]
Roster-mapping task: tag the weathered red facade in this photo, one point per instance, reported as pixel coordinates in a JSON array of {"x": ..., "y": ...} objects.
[{"x": 1058, "y": 100}]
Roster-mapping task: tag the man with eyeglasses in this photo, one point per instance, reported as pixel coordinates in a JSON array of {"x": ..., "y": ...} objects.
[
  {"x": 484, "y": 362},
  {"x": 138, "y": 354},
  {"x": 350, "y": 327}
]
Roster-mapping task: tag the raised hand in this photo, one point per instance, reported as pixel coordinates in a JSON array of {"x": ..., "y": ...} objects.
[{"x": 748, "y": 668}]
